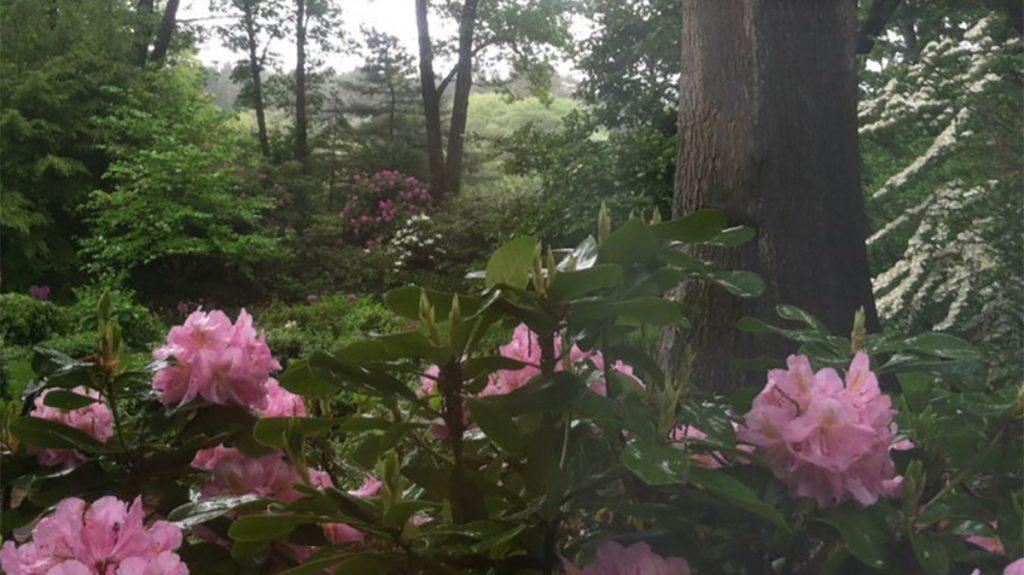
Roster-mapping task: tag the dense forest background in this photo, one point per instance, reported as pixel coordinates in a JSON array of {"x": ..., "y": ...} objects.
[{"x": 305, "y": 192}]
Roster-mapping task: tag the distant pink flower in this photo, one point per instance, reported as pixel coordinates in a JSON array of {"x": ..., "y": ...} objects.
[
  {"x": 104, "y": 538},
  {"x": 825, "y": 439},
  {"x": 637, "y": 559},
  {"x": 370, "y": 487},
  {"x": 282, "y": 403},
  {"x": 233, "y": 473},
  {"x": 221, "y": 362},
  {"x": 312, "y": 298},
  {"x": 41, "y": 293},
  {"x": 95, "y": 419}
]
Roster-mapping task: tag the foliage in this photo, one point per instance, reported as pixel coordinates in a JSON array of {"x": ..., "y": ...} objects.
[
  {"x": 25, "y": 320},
  {"x": 56, "y": 75},
  {"x": 581, "y": 167},
  {"x": 638, "y": 85},
  {"x": 497, "y": 465},
  {"x": 379, "y": 203},
  {"x": 941, "y": 146},
  {"x": 324, "y": 323},
  {"x": 140, "y": 328},
  {"x": 185, "y": 197}
]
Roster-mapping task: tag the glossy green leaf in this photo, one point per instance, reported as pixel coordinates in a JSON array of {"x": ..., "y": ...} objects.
[
  {"x": 67, "y": 400},
  {"x": 196, "y": 512},
  {"x": 739, "y": 283},
  {"x": 52, "y": 435},
  {"x": 700, "y": 226},
  {"x": 405, "y": 301},
  {"x": 510, "y": 264},
  {"x": 274, "y": 431},
  {"x": 650, "y": 310},
  {"x": 735, "y": 492},
  {"x": 299, "y": 379},
  {"x": 543, "y": 394},
  {"x": 656, "y": 463},
  {"x": 734, "y": 236},
  {"x": 253, "y": 528},
  {"x": 931, "y": 554},
  {"x": 497, "y": 425},
  {"x": 571, "y": 285},
  {"x": 631, "y": 244},
  {"x": 863, "y": 533}
]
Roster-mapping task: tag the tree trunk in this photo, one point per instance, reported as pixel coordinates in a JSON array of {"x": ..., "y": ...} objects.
[
  {"x": 768, "y": 132},
  {"x": 460, "y": 104},
  {"x": 431, "y": 105},
  {"x": 256, "y": 70},
  {"x": 166, "y": 31},
  {"x": 145, "y": 32},
  {"x": 301, "y": 137}
]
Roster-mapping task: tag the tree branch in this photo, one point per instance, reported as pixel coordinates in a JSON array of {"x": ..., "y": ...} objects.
[
  {"x": 878, "y": 17},
  {"x": 451, "y": 74}
]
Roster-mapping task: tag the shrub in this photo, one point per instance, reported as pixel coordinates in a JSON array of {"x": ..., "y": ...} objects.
[
  {"x": 140, "y": 328},
  {"x": 379, "y": 203},
  {"x": 323, "y": 324},
  {"x": 26, "y": 321}
]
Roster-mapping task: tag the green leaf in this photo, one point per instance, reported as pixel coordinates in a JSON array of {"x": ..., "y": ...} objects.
[
  {"x": 363, "y": 564},
  {"x": 298, "y": 378},
  {"x": 931, "y": 553},
  {"x": 254, "y": 528},
  {"x": 497, "y": 426},
  {"x": 734, "y": 236},
  {"x": 328, "y": 368},
  {"x": 943, "y": 345},
  {"x": 863, "y": 533},
  {"x": 276, "y": 431},
  {"x": 735, "y": 492},
  {"x": 543, "y": 394},
  {"x": 510, "y": 264},
  {"x": 191, "y": 514},
  {"x": 405, "y": 301},
  {"x": 739, "y": 283},
  {"x": 793, "y": 313},
  {"x": 701, "y": 226},
  {"x": 571, "y": 285},
  {"x": 67, "y": 400},
  {"x": 630, "y": 244},
  {"x": 52, "y": 435},
  {"x": 481, "y": 366},
  {"x": 656, "y": 463},
  {"x": 649, "y": 309}
]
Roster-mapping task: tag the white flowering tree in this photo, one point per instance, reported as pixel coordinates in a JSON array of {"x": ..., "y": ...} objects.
[{"x": 941, "y": 147}]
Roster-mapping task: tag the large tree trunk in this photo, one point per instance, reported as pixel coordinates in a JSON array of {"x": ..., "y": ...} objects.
[
  {"x": 301, "y": 124},
  {"x": 144, "y": 13},
  {"x": 460, "y": 104},
  {"x": 768, "y": 132},
  {"x": 431, "y": 105},
  {"x": 166, "y": 31},
  {"x": 256, "y": 71}
]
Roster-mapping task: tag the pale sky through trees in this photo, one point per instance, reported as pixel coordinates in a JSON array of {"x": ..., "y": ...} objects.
[{"x": 395, "y": 17}]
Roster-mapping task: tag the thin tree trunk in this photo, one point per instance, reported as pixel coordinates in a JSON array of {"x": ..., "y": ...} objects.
[
  {"x": 301, "y": 136},
  {"x": 431, "y": 105},
  {"x": 910, "y": 37},
  {"x": 166, "y": 31},
  {"x": 878, "y": 18},
  {"x": 256, "y": 70},
  {"x": 768, "y": 132},
  {"x": 391, "y": 119},
  {"x": 145, "y": 32},
  {"x": 460, "y": 104}
]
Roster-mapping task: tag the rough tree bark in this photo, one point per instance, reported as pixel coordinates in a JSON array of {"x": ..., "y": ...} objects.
[
  {"x": 301, "y": 123},
  {"x": 768, "y": 132},
  {"x": 460, "y": 105},
  {"x": 879, "y": 14},
  {"x": 165, "y": 32},
  {"x": 256, "y": 70},
  {"x": 431, "y": 105}
]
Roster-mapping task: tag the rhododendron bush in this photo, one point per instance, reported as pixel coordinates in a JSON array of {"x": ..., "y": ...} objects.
[{"x": 522, "y": 427}]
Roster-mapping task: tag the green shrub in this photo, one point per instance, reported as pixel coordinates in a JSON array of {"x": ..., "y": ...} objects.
[
  {"x": 298, "y": 330},
  {"x": 139, "y": 327},
  {"x": 27, "y": 321}
]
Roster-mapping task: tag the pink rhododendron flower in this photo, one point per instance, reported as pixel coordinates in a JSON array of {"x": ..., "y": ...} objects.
[
  {"x": 826, "y": 439},
  {"x": 221, "y": 362},
  {"x": 282, "y": 403},
  {"x": 525, "y": 348},
  {"x": 105, "y": 538},
  {"x": 270, "y": 475},
  {"x": 637, "y": 559},
  {"x": 94, "y": 419},
  {"x": 41, "y": 293},
  {"x": 684, "y": 432},
  {"x": 990, "y": 544},
  {"x": 1015, "y": 568}
]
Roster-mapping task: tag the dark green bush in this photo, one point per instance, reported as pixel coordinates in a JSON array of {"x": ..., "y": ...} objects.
[
  {"x": 139, "y": 327},
  {"x": 25, "y": 320},
  {"x": 333, "y": 320}
]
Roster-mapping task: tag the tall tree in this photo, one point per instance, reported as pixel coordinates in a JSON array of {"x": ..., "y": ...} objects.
[
  {"x": 315, "y": 21},
  {"x": 768, "y": 132},
  {"x": 526, "y": 35},
  {"x": 253, "y": 27}
]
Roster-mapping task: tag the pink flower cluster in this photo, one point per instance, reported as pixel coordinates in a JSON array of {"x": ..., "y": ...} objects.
[
  {"x": 41, "y": 293},
  {"x": 525, "y": 348},
  {"x": 105, "y": 538},
  {"x": 381, "y": 201},
  {"x": 637, "y": 559},
  {"x": 824, "y": 439},
  {"x": 94, "y": 419},
  {"x": 221, "y": 362},
  {"x": 270, "y": 475}
]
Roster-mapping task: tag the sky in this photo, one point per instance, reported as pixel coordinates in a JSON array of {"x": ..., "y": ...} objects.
[{"x": 395, "y": 17}]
